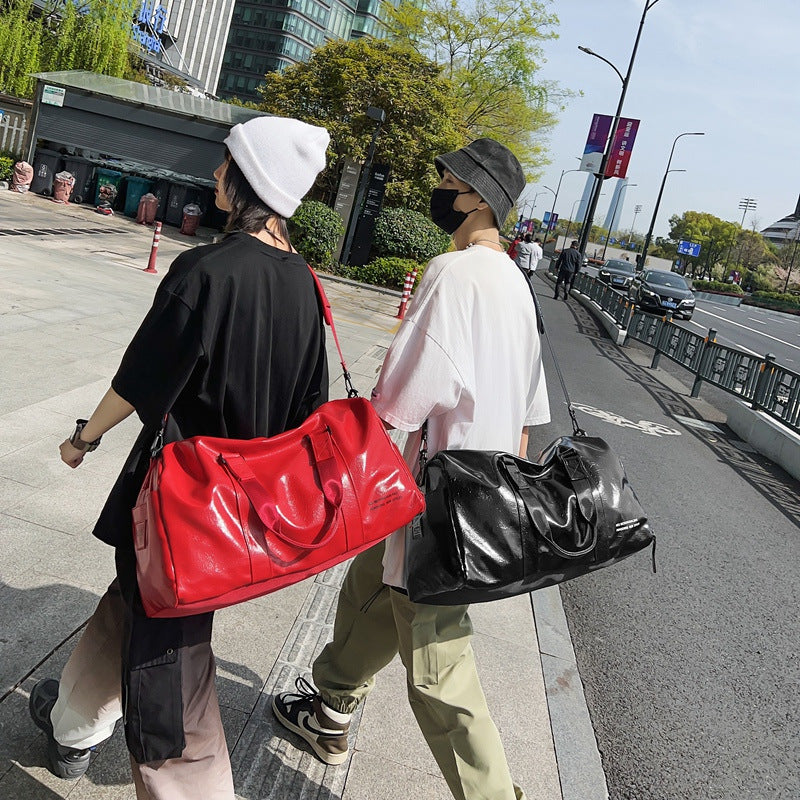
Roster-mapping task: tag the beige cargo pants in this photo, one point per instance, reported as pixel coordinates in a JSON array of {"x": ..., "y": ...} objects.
[{"x": 374, "y": 623}]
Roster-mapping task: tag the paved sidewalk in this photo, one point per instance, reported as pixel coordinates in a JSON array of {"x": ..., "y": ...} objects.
[{"x": 70, "y": 302}]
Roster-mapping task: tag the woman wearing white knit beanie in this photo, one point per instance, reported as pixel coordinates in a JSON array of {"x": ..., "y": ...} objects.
[{"x": 234, "y": 347}]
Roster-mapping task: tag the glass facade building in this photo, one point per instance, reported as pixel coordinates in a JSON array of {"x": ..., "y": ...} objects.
[{"x": 270, "y": 35}]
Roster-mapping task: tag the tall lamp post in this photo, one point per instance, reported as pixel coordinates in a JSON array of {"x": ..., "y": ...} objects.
[
  {"x": 613, "y": 217},
  {"x": 558, "y": 189},
  {"x": 550, "y": 221},
  {"x": 600, "y": 177},
  {"x": 379, "y": 115},
  {"x": 746, "y": 204},
  {"x": 794, "y": 253},
  {"x": 660, "y": 193},
  {"x": 569, "y": 224},
  {"x": 636, "y": 211}
]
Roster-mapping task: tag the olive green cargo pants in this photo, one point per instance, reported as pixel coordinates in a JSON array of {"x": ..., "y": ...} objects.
[{"x": 374, "y": 623}]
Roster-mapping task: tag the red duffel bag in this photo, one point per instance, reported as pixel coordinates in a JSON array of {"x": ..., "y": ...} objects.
[{"x": 219, "y": 521}]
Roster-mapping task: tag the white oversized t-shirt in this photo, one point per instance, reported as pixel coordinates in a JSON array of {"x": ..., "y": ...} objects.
[{"x": 467, "y": 358}]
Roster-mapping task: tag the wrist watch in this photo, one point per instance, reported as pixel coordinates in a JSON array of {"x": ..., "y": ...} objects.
[{"x": 78, "y": 443}]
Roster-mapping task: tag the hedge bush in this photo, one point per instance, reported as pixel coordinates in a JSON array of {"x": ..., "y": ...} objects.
[
  {"x": 6, "y": 168},
  {"x": 717, "y": 286},
  {"x": 778, "y": 301},
  {"x": 403, "y": 233},
  {"x": 315, "y": 230},
  {"x": 388, "y": 271}
]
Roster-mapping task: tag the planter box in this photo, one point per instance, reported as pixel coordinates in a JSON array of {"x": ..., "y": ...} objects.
[{"x": 724, "y": 299}]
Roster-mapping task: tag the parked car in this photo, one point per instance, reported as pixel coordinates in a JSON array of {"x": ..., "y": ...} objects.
[
  {"x": 658, "y": 290},
  {"x": 617, "y": 273}
]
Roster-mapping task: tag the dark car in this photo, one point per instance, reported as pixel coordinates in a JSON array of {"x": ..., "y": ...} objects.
[
  {"x": 660, "y": 291},
  {"x": 617, "y": 273}
]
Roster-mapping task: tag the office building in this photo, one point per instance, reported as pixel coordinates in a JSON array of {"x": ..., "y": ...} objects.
[{"x": 271, "y": 35}]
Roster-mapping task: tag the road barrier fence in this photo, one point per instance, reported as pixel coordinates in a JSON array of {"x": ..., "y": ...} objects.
[{"x": 757, "y": 380}]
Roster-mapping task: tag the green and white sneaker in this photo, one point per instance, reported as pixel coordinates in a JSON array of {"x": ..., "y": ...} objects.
[{"x": 303, "y": 712}]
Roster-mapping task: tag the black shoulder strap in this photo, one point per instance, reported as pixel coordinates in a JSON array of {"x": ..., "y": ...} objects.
[{"x": 578, "y": 431}]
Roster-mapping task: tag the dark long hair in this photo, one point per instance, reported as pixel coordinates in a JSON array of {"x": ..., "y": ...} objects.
[{"x": 249, "y": 213}]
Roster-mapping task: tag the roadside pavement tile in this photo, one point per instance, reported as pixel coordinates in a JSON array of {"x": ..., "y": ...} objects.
[
  {"x": 13, "y": 323},
  {"x": 35, "y": 617},
  {"x": 371, "y": 777},
  {"x": 247, "y": 640},
  {"x": 75, "y": 398},
  {"x": 24, "y": 425},
  {"x": 12, "y": 492},
  {"x": 388, "y": 731},
  {"x": 67, "y": 505},
  {"x": 55, "y": 315}
]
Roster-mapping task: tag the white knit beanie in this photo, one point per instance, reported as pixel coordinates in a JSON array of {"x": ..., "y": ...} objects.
[{"x": 279, "y": 157}]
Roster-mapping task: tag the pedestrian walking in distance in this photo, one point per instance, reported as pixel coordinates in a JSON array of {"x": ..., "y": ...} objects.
[{"x": 567, "y": 267}]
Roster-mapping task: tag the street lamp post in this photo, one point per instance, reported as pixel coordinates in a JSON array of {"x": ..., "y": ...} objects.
[
  {"x": 649, "y": 235},
  {"x": 794, "y": 253},
  {"x": 569, "y": 223},
  {"x": 551, "y": 213},
  {"x": 558, "y": 189},
  {"x": 636, "y": 210},
  {"x": 613, "y": 217},
  {"x": 600, "y": 177},
  {"x": 379, "y": 115}
]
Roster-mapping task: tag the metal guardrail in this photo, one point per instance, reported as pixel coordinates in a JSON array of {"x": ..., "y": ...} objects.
[{"x": 757, "y": 380}]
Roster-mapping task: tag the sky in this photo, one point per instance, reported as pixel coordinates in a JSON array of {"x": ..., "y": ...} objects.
[{"x": 728, "y": 68}]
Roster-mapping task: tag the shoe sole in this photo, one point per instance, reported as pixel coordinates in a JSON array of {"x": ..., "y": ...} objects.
[{"x": 332, "y": 759}]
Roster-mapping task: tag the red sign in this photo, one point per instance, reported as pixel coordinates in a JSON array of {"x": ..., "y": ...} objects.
[{"x": 620, "y": 153}]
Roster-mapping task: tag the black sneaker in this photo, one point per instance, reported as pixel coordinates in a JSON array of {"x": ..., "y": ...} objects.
[
  {"x": 64, "y": 762},
  {"x": 302, "y": 713}
]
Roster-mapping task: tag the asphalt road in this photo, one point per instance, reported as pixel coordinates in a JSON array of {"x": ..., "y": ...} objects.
[
  {"x": 690, "y": 674},
  {"x": 754, "y": 330}
]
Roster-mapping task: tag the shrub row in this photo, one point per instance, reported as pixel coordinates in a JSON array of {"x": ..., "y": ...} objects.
[
  {"x": 717, "y": 286},
  {"x": 777, "y": 301},
  {"x": 403, "y": 241},
  {"x": 6, "y": 167}
]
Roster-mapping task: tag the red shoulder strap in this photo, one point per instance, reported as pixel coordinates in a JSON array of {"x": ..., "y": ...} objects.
[{"x": 327, "y": 315}]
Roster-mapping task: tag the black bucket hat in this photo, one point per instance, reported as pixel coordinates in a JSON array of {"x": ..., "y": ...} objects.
[{"x": 491, "y": 169}]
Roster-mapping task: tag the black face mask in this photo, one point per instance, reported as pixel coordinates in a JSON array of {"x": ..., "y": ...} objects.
[{"x": 442, "y": 212}]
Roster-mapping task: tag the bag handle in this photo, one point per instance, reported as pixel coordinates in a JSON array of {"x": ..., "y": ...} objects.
[
  {"x": 539, "y": 519},
  {"x": 264, "y": 504}
]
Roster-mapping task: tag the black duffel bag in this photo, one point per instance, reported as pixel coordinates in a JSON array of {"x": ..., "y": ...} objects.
[{"x": 496, "y": 525}]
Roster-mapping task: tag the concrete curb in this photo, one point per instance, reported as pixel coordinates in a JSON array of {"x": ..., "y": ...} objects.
[
  {"x": 580, "y": 767},
  {"x": 768, "y": 436},
  {"x": 350, "y": 282}
]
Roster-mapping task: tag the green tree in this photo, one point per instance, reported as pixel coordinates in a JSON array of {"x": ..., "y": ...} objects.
[
  {"x": 713, "y": 234},
  {"x": 19, "y": 48},
  {"x": 491, "y": 51},
  {"x": 335, "y": 87}
]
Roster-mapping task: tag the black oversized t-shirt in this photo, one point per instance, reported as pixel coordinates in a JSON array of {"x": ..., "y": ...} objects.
[{"x": 233, "y": 346}]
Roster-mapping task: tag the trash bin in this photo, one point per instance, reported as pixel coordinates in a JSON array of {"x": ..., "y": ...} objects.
[
  {"x": 180, "y": 195},
  {"x": 147, "y": 210},
  {"x": 108, "y": 181},
  {"x": 22, "y": 177},
  {"x": 161, "y": 189},
  {"x": 45, "y": 165},
  {"x": 62, "y": 187},
  {"x": 83, "y": 171},
  {"x": 191, "y": 219},
  {"x": 135, "y": 187}
]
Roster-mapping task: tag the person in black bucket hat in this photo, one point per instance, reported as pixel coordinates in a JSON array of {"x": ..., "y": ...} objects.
[
  {"x": 466, "y": 360},
  {"x": 491, "y": 169}
]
